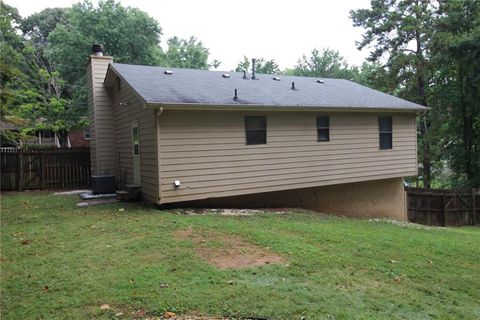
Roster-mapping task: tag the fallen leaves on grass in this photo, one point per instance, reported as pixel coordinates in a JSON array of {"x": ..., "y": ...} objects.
[{"x": 104, "y": 307}]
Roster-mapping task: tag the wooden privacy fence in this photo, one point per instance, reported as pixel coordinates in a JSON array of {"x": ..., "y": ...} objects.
[
  {"x": 23, "y": 169},
  {"x": 443, "y": 207}
]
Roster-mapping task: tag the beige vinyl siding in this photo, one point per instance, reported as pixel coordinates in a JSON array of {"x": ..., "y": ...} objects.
[
  {"x": 206, "y": 151},
  {"x": 124, "y": 116},
  {"x": 91, "y": 119},
  {"x": 101, "y": 118}
]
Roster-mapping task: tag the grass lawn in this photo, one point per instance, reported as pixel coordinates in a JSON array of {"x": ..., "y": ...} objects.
[{"x": 63, "y": 262}]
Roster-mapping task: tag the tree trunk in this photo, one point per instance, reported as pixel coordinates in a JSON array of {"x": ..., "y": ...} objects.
[
  {"x": 425, "y": 124},
  {"x": 426, "y": 161},
  {"x": 63, "y": 138},
  {"x": 467, "y": 118}
]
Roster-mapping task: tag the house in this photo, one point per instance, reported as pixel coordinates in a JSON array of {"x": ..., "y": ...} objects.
[
  {"x": 238, "y": 139},
  {"x": 75, "y": 138}
]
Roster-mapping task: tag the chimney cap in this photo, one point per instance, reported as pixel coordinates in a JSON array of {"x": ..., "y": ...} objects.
[{"x": 97, "y": 49}]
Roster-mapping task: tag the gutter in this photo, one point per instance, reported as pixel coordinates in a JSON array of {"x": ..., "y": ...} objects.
[{"x": 259, "y": 107}]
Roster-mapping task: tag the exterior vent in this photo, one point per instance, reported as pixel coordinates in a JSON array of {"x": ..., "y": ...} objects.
[
  {"x": 276, "y": 78},
  {"x": 320, "y": 81},
  {"x": 104, "y": 184},
  {"x": 169, "y": 72},
  {"x": 226, "y": 75},
  {"x": 97, "y": 50}
]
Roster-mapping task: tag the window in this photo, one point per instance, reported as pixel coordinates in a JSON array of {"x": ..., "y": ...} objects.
[
  {"x": 385, "y": 132},
  {"x": 256, "y": 130},
  {"x": 323, "y": 128},
  {"x": 135, "y": 140},
  {"x": 86, "y": 134}
]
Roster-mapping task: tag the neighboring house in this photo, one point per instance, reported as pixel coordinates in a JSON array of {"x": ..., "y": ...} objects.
[
  {"x": 251, "y": 140},
  {"x": 76, "y": 138},
  {"x": 79, "y": 137}
]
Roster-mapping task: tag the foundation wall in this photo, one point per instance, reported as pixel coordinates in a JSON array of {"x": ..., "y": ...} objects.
[{"x": 379, "y": 198}]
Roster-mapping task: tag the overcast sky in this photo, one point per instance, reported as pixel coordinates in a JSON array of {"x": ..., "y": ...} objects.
[{"x": 280, "y": 30}]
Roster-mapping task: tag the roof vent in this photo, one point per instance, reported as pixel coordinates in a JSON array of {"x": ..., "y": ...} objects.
[
  {"x": 235, "y": 97},
  {"x": 226, "y": 75},
  {"x": 293, "y": 86},
  {"x": 245, "y": 74},
  {"x": 254, "y": 61},
  {"x": 169, "y": 72},
  {"x": 276, "y": 78},
  {"x": 320, "y": 81}
]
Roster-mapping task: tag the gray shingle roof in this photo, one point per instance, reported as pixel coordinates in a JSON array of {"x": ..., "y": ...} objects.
[{"x": 201, "y": 87}]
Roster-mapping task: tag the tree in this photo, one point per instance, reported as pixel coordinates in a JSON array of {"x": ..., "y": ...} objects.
[
  {"x": 12, "y": 71},
  {"x": 261, "y": 66},
  {"x": 182, "y": 53},
  {"x": 456, "y": 93},
  {"x": 38, "y": 26},
  {"x": 326, "y": 63},
  {"x": 46, "y": 106},
  {"x": 400, "y": 32},
  {"x": 128, "y": 34}
]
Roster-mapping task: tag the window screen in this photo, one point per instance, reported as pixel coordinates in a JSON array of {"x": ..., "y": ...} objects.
[
  {"x": 385, "y": 132},
  {"x": 323, "y": 128},
  {"x": 256, "y": 130}
]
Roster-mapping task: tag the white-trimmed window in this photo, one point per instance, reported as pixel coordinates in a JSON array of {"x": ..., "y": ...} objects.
[
  {"x": 323, "y": 128},
  {"x": 255, "y": 130},
  {"x": 385, "y": 132}
]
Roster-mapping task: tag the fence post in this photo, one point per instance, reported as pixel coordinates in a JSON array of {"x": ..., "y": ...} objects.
[
  {"x": 444, "y": 208},
  {"x": 20, "y": 170},
  {"x": 42, "y": 167}
]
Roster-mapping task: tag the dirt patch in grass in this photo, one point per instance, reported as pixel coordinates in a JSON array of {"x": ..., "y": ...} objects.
[
  {"x": 227, "y": 211},
  {"x": 227, "y": 251}
]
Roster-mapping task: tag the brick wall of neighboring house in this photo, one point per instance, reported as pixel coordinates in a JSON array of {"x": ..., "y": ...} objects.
[{"x": 78, "y": 139}]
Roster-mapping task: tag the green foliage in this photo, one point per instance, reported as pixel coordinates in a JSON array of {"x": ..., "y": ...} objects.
[
  {"x": 326, "y": 63},
  {"x": 335, "y": 268},
  {"x": 184, "y": 53},
  {"x": 456, "y": 53},
  {"x": 261, "y": 66},
  {"x": 12, "y": 75},
  {"x": 38, "y": 26},
  {"x": 128, "y": 34},
  {"x": 428, "y": 52}
]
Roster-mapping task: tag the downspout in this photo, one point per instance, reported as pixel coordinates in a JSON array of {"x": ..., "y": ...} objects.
[
  {"x": 159, "y": 111},
  {"x": 157, "y": 146}
]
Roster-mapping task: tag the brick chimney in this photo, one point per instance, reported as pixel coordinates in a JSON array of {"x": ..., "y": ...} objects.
[{"x": 100, "y": 111}]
